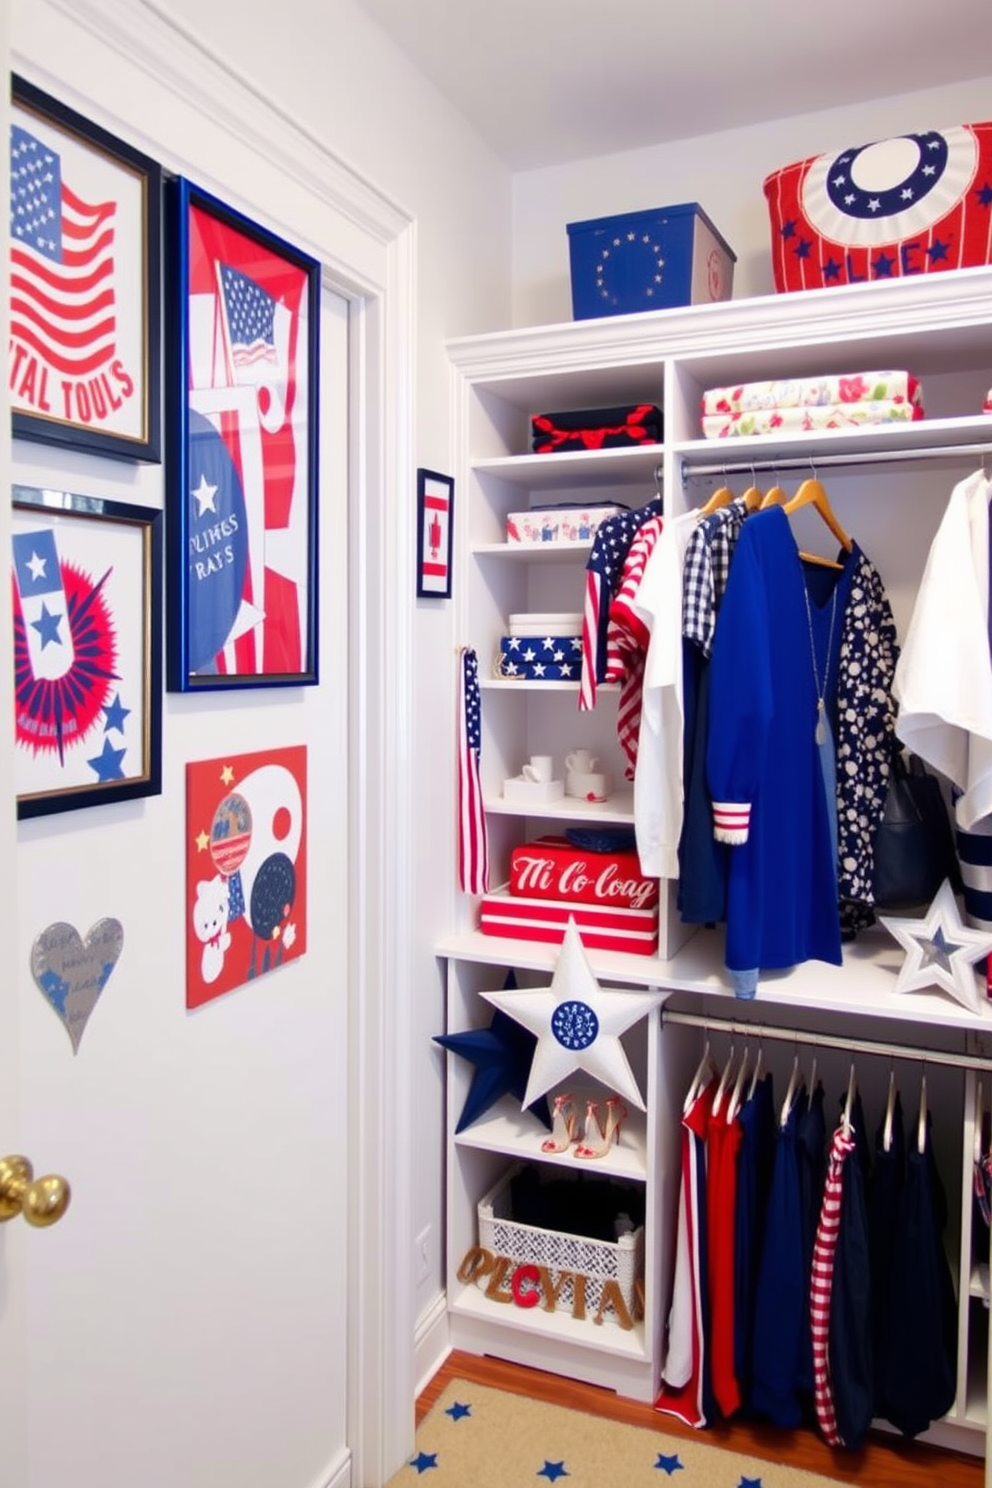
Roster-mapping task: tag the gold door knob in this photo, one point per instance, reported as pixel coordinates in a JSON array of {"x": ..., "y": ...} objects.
[{"x": 42, "y": 1201}]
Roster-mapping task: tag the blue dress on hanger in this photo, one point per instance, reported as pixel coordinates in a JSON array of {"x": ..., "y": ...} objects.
[{"x": 769, "y": 650}]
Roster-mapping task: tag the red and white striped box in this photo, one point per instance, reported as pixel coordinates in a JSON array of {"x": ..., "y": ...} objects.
[
  {"x": 601, "y": 927},
  {"x": 554, "y": 868}
]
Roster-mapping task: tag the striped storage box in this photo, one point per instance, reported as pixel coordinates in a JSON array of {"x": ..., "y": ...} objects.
[{"x": 601, "y": 927}]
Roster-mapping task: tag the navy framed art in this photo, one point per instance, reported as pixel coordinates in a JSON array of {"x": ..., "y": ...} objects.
[
  {"x": 87, "y": 612},
  {"x": 241, "y": 489},
  {"x": 84, "y": 296},
  {"x": 435, "y": 529}
]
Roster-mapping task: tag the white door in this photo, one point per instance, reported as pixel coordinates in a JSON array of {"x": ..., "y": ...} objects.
[{"x": 184, "y": 1324}]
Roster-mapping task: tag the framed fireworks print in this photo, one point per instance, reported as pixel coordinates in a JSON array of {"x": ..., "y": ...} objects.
[
  {"x": 85, "y": 262},
  {"x": 435, "y": 527},
  {"x": 246, "y": 868},
  {"x": 242, "y": 430},
  {"x": 87, "y": 603}
]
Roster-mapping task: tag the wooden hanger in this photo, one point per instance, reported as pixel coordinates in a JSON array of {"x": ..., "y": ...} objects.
[
  {"x": 813, "y": 493},
  {"x": 774, "y": 496},
  {"x": 722, "y": 496},
  {"x": 752, "y": 497}
]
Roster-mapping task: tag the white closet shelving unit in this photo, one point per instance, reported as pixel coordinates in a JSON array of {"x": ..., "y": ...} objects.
[{"x": 889, "y": 486}]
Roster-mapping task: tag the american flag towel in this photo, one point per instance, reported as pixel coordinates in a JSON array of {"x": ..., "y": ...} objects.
[{"x": 473, "y": 845}]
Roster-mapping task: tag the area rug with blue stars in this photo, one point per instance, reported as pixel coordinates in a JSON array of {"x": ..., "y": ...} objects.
[{"x": 488, "y": 1438}]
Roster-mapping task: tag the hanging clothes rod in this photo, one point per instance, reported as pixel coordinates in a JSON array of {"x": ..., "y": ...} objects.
[
  {"x": 748, "y": 1030},
  {"x": 819, "y": 462}
]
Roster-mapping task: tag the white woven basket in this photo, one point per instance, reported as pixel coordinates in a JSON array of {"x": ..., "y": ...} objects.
[{"x": 603, "y": 1260}]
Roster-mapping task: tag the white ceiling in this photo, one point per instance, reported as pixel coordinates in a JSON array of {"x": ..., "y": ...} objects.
[{"x": 548, "y": 81}]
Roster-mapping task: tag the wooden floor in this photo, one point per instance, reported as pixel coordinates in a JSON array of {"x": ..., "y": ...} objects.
[{"x": 885, "y": 1462}]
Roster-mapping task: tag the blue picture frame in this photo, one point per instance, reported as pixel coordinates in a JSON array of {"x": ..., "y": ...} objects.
[
  {"x": 87, "y": 620},
  {"x": 85, "y": 283},
  {"x": 435, "y": 533},
  {"x": 242, "y": 362}
]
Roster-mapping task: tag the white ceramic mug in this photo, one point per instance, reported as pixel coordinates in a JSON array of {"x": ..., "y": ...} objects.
[
  {"x": 582, "y": 761},
  {"x": 538, "y": 769}
]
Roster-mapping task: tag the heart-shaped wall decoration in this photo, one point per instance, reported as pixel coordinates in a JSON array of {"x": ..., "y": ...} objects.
[{"x": 72, "y": 972}]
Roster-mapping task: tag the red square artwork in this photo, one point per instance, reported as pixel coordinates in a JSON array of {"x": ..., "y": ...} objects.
[{"x": 246, "y": 853}]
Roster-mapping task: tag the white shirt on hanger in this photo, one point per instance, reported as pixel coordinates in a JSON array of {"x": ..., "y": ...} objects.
[
  {"x": 943, "y": 680},
  {"x": 658, "y": 791}
]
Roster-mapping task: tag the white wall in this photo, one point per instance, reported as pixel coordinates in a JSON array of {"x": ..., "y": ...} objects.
[
  {"x": 722, "y": 172},
  {"x": 200, "y": 1100}
]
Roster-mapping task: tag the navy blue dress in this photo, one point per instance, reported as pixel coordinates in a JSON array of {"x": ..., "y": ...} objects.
[{"x": 762, "y": 751}]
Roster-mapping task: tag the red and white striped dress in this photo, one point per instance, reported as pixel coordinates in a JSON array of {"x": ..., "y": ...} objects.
[{"x": 822, "y": 1280}]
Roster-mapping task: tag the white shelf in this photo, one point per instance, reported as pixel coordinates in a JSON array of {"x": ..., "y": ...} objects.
[
  {"x": 633, "y": 465},
  {"x": 506, "y": 1129},
  {"x": 606, "y": 1337},
  {"x": 864, "y": 986},
  {"x": 552, "y": 552},
  {"x": 874, "y": 440},
  {"x": 618, "y": 809}
]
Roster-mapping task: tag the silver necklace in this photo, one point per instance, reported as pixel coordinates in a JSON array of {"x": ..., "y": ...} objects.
[{"x": 820, "y": 683}]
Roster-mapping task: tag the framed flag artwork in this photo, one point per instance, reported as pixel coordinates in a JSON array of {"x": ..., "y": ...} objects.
[
  {"x": 241, "y": 409},
  {"x": 246, "y": 868},
  {"x": 435, "y": 526},
  {"x": 87, "y": 611},
  {"x": 85, "y": 261}
]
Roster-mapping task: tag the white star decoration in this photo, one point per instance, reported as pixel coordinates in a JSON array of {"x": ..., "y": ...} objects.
[
  {"x": 941, "y": 951},
  {"x": 577, "y": 1024}
]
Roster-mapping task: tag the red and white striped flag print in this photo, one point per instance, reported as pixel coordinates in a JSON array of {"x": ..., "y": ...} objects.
[
  {"x": 473, "y": 842},
  {"x": 62, "y": 301}
]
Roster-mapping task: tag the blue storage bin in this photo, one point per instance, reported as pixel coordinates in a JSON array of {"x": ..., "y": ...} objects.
[{"x": 649, "y": 260}]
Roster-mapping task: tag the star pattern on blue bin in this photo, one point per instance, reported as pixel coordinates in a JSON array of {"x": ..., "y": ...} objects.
[
  {"x": 457, "y": 1411},
  {"x": 577, "y": 1024},
  {"x": 553, "y": 1471},
  {"x": 669, "y": 1465},
  {"x": 423, "y": 1461}
]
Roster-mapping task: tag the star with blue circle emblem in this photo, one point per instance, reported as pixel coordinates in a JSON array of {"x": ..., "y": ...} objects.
[
  {"x": 423, "y": 1461},
  {"x": 749, "y": 1483},
  {"x": 669, "y": 1465},
  {"x": 457, "y": 1411},
  {"x": 577, "y": 1024},
  {"x": 553, "y": 1471}
]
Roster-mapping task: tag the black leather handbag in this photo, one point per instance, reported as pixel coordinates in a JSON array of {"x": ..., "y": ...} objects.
[{"x": 914, "y": 843}]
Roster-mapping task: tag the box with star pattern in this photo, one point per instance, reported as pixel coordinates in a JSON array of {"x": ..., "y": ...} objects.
[
  {"x": 540, "y": 658},
  {"x": 651, "y": 260}
]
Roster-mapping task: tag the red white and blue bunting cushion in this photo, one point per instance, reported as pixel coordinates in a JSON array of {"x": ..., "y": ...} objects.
[{"x": 913, "y": 204}]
